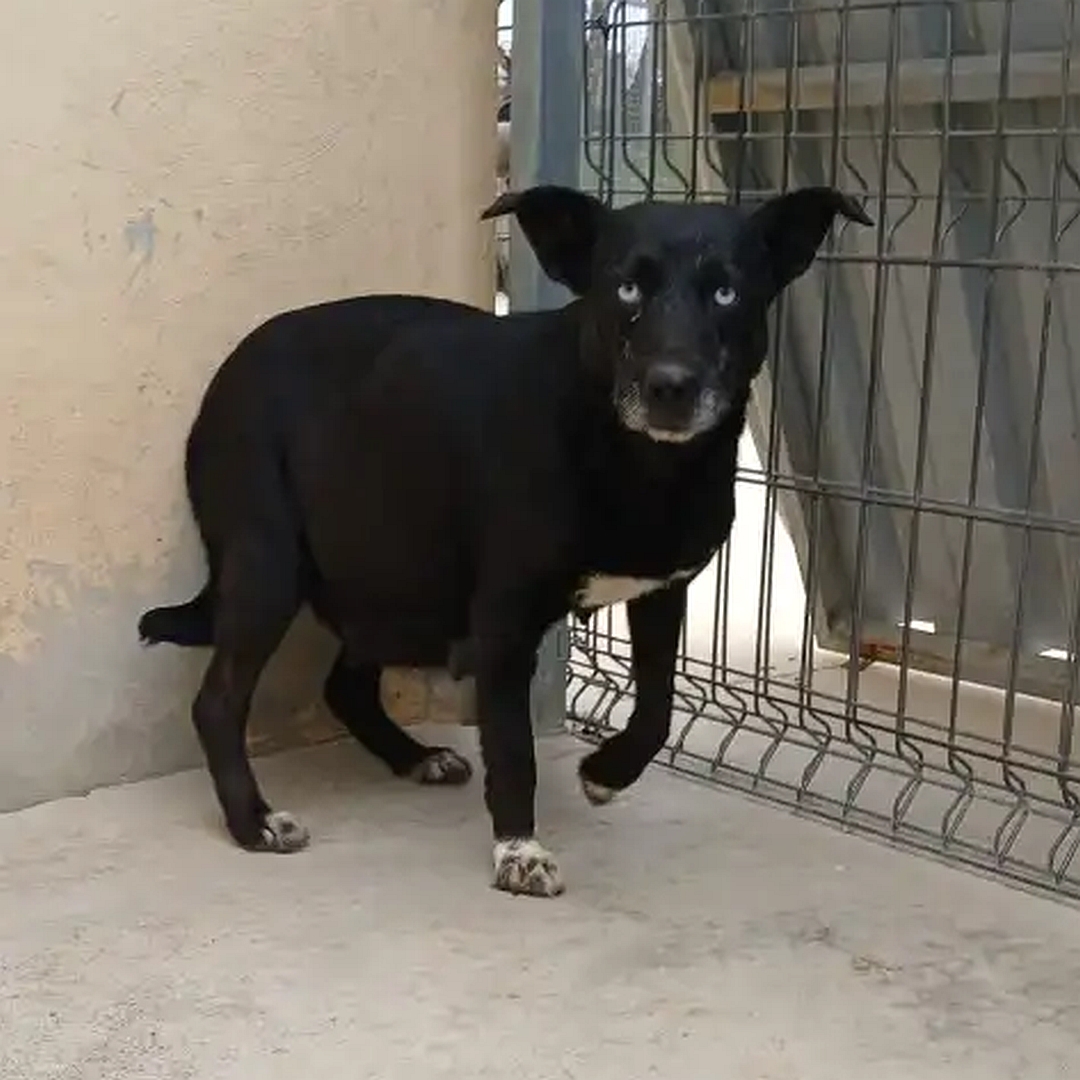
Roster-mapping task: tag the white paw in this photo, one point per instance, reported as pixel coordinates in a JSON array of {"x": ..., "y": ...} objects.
[
  {"x": 597, "y": 794},
  {"x": 442, "y": 766},
  {"x": 524, "y": 866},
  {"x": 282, "y": 833}
]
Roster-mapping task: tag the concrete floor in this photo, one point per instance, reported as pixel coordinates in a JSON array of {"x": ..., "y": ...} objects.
[{"x": 702, "y": 936}]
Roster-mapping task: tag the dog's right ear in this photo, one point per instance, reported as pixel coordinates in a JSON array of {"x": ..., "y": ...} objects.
[{"x": 561, "y": 224}]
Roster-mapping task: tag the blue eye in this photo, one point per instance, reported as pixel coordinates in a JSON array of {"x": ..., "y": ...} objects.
[
  {"x": 629, "y": 293},
  {"x": 725, "y": 296}
]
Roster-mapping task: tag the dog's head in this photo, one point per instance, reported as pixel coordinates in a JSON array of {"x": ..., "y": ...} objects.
[{"x": 675, "y": 296}]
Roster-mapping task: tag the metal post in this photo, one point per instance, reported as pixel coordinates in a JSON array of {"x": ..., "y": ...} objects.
[{"x": 545, "y": 148}]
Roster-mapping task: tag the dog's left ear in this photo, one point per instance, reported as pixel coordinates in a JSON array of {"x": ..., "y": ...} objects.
[
  {"x": 561, "y": 224},
  {"x": 793, "y": 226}
]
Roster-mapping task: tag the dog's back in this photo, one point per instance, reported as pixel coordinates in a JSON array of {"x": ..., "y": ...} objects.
[{"x": 283, "y": 374}]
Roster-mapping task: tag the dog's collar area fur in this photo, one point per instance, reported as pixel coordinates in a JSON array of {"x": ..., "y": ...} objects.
[{"x": 596, "y": 591}]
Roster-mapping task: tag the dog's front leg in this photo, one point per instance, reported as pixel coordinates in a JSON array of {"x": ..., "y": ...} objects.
[
  {"x": 505, "y": 659},
  {"x": 655, "y": 622}
]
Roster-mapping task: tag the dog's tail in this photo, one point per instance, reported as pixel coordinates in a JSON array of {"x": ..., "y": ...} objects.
[{"x": 190, "y": 624}]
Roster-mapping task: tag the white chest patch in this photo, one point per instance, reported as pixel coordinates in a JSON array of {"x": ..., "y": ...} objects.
[{"x": 603, "y": 590}]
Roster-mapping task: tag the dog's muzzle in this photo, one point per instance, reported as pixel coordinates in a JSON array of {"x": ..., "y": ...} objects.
[
  {"x": 668, "y": 404},
  {"x": 670, "y": 394}
]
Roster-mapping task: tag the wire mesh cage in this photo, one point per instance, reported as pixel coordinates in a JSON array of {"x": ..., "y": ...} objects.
[{"x": 889, "y": 640}]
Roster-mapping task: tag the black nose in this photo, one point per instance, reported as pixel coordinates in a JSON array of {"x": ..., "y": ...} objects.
[{"x": 670, "y": 386}]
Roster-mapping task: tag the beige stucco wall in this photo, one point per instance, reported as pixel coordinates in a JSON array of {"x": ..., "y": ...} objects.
[{"x": 169, "y": 175}]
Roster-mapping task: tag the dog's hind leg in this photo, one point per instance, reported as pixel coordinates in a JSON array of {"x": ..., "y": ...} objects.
[
  {"x": 352, "y": 694},
  {"x": 259, "y": 593}
]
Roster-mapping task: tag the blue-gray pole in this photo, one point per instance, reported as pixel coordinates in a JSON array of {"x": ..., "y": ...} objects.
[{"x": 546, "y": 91}]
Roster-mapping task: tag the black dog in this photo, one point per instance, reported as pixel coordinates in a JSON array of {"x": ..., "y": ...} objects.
[{"x": 480, "y": 477}]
